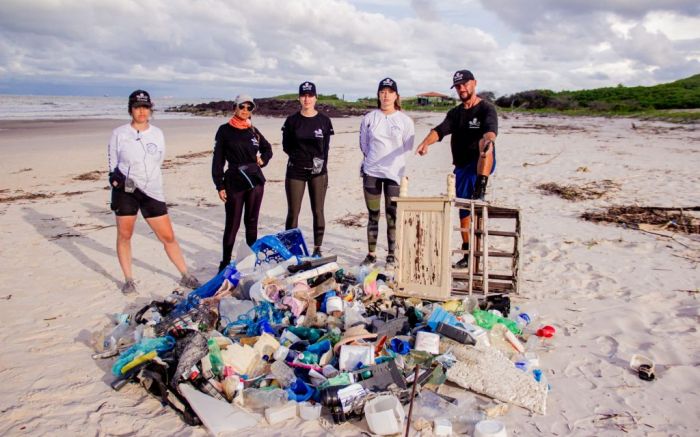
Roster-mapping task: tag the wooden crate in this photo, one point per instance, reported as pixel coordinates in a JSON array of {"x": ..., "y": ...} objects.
[{"x": 424, "y": 230}]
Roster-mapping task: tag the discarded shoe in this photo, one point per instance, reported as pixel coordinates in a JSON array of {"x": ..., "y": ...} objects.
[
  {"x": 129, "y": 287},
  {"x": 369, "y": 260},
  {"x": 189, "y": 281}
]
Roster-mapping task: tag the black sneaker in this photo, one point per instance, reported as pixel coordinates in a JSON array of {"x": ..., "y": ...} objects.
[
  {"x": 462, "y": 263},
  {"x": 390, "y": 261},
  {"x": 223, "y": 265},
  {"x": 369, "y": 260},
  {"x": 317, "y": 253}
]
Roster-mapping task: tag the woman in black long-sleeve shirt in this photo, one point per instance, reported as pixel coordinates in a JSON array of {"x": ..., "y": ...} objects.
[
  {"x": 241, "y": 186},
  {"x": 306, "y": 137}
]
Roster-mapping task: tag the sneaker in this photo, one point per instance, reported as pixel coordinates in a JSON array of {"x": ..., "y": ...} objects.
[
  {"x": 317, "y": 253},
  {"x": 222, "y": 266},
  {"x": 189, "y": 281},
  {"x": 462, "y": 263},
  {"x": 369, "y": 259},
  {"x": 129, "y": 287},
  {"x": 391, "y": 260}
]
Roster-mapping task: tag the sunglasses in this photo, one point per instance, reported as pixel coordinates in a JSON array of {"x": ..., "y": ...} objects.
[{"x": 246, "y": 106}]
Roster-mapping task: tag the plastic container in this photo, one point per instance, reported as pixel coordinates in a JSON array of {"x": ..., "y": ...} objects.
[
  {"x": 384, "y": 415},
  {"x": 309, "y": 411},
  {"x": 428, "y": 342}
]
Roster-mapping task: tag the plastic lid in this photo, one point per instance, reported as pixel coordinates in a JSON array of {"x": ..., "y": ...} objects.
[{"x": 490, "y": 428}]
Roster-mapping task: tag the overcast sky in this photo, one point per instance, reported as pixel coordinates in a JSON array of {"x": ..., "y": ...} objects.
[{"x": 219, "y": 48}]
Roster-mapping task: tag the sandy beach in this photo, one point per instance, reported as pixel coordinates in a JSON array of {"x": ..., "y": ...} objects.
[{"x": 610, "y": 291}]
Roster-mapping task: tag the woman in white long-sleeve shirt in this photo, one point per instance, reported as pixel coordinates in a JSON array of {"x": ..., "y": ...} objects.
[
  {"x": 136, "y": 152},
  {"x": 386, "y": 140}
]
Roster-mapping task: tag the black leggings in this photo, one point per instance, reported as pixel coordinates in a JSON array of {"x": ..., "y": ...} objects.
[
  {"x": 372, "y": 188},
  {"x": 317, "y": 195},
  {"x": 235, "y": 204}
]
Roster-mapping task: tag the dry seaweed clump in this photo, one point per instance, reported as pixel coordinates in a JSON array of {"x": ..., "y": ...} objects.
[
  {"x": 637, "y": 217},
  {"x": 352, "y": 220},
  {"x": 591, "y": 190}
]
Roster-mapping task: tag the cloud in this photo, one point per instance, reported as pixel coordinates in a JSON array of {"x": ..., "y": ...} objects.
[{"x": 214, "y": 48}]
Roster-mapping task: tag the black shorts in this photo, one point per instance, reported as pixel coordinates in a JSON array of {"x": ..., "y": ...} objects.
[{"x": 125, "y": 204}]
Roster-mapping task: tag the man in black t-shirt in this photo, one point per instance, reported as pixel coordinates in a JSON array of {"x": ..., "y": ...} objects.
[{"x": 474, "y": 126}]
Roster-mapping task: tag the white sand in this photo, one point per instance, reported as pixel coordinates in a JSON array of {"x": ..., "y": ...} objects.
[{"x": 611, "y": 292}]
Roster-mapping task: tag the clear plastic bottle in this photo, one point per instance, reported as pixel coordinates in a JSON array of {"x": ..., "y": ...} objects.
[
  {"x": 524, "y": 318},
  {"x": 283, "y": 373},
  {"x": 111, "y": 340}
]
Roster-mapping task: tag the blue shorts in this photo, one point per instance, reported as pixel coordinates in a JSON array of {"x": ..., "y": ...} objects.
[{"x": 465, "y": 179}]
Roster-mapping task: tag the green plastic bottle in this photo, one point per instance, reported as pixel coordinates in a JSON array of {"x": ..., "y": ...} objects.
[{"x": 217, "y": 361}]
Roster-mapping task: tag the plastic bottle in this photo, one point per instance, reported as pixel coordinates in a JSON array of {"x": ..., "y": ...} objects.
[
  {"x": 230, "y": 383},
  {"x": 217, "y": 361},
  {"x": 524, "y": 318},
  {"x": 283, "y": 373},
  {"x": 111, "y": 340}
]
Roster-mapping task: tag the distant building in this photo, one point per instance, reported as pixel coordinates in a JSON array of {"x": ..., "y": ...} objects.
[{"x": 432, "y": 97}]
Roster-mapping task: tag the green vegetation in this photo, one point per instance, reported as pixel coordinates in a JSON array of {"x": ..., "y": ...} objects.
[
  {"x": 619, "y": 100},
  {"x": 677, "y": 101}
]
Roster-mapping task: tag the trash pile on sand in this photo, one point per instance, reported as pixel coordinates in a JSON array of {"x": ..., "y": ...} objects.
[{"x": 282, "y": 335}]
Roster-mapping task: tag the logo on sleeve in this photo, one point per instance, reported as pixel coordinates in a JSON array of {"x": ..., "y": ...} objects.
[{"x": 474, "y": 124}]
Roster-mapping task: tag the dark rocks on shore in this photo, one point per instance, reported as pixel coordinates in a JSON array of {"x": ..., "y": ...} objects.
[{"x": 269, "y": 107}]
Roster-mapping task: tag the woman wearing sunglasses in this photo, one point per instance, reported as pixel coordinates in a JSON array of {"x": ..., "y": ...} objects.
[
  {"x": 135, "y": 153},
  {"x": 306, "y": 137},
  {"x": 241, "y": 148}
]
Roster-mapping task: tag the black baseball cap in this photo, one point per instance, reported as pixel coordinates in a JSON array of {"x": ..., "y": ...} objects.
[
  {"x": 140, "y": 98},
  {"x": 461, "y": 76},
  {"x": 388, "y": 82},
  {"x": 307, "y": 88}
]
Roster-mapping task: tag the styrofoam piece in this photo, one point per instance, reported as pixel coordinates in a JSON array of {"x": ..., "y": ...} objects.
[
  {"x": 279, "y": 414},
  {"x": 352, "y": 355},
  {"x": 219, "y": 417},
  {"x": 309, "y": 411},
  {"x": 384, "y": 415},
  {"x": 428, "y": 342},
  {"x": 442, "y": 427},
  {"x": 489, "y": 372},
  {"x": 490, "y": 428}
]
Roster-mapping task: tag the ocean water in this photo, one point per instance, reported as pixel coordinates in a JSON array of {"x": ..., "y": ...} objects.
[{"x": 79, "y": 107}]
